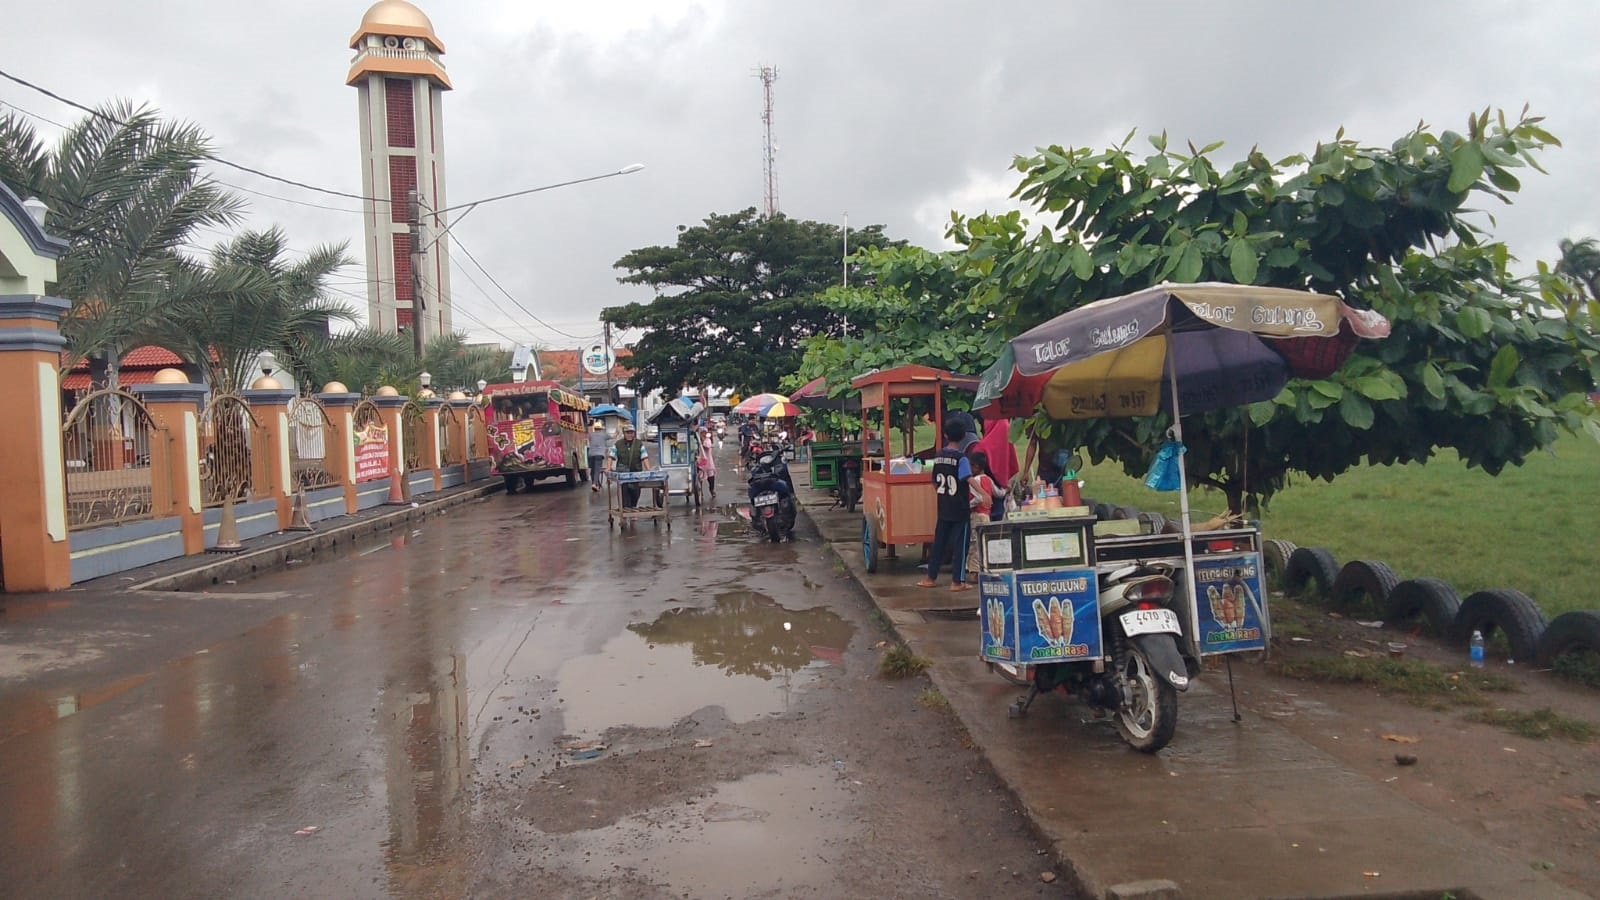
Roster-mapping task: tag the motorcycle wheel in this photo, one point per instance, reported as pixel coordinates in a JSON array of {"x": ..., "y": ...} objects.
[
  {"x": 1149, "y": 720},
  {"x": 774, "y": 532}
]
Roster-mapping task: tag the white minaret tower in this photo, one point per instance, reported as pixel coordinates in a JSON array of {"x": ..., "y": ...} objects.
[{"x": 400, "y": 82}]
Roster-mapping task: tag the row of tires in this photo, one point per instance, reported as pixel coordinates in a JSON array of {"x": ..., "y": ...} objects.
[{"x": 1367, "y": 584}]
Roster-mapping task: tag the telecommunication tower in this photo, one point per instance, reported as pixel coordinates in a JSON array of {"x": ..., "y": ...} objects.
[{"x": 769, "y": 206}]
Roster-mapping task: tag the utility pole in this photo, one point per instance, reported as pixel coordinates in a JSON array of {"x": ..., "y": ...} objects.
[
  {"x": 845, "y": 264},
  {"x": 611, "y": 392},
  {"x": 414, "y": 217},
  {"x": 769, "y": 206}
]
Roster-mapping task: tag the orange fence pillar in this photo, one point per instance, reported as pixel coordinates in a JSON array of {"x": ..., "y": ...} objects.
[
  {"x": 269, "y": 452},
  {"x": 432, "y": 454},
  {"x": 33, "y": 495},
  {"x": 463, "y": 434},
  {"x": 390, "y": 409},
  {"x": 174, "y": 406},
  {"x": 340, "y": 406}
]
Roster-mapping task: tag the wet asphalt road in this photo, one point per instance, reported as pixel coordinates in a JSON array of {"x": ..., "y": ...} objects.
[{"x": 514, "y": 700}]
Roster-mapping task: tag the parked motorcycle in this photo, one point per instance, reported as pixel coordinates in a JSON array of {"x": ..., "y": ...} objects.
[
  {"x": 1146, "y": 670},
  {"x": 772, "y": 507},
  {"x": 848, "y": 489}
]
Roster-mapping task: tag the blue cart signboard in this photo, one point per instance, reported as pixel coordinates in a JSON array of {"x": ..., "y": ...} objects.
[
  {"x": 1040, "y": 616},
  {"x": 1229, "y": 597}
]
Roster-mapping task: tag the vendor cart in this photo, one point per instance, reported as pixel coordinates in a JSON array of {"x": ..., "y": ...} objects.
[
  {"x": 651, "y": 482},
  {"x": 678, "y": 449},
  {"x": 897, "y": 500},
  {"x": 1173, "y": 350},
  {"x": 835, "y": 465}
]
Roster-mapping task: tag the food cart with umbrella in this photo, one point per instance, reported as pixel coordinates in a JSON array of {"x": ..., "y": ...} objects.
[
  {"x": 835, "y": 464},
  {"x": 1180, "y": 349},
  {"x": 612, "y": 416}
]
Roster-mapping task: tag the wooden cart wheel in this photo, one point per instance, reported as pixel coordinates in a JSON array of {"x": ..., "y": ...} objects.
[{"x": 869, "y": 546}]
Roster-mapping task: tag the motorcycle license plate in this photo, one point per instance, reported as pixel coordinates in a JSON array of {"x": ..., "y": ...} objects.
[
  {"x": 1150, "y": 621},
  {"x": 770, "y": 498}
]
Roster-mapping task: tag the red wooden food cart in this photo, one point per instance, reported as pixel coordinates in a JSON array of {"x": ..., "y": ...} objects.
[{"x": 897, "y": 500}]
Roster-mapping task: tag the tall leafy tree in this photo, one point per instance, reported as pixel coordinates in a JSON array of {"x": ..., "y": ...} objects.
[
  {"x": 1481, "y": 360},
  {"x": 736, "y": 297},
  {"x": 127, "y": 189}
]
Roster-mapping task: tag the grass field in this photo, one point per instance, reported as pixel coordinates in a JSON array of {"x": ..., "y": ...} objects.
[{"x": 1535, "y": 528}]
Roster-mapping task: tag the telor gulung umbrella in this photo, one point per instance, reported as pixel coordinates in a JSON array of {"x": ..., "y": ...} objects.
[
  {"x": 1212, "y": 345},
  {"x": 771, "y": 406},
  {"x": 1222, "y": 344}
]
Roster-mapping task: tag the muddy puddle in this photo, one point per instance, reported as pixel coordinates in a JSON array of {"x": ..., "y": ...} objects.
[
  {"x": 744, "y": 653},
  {"x": 765, "y": 834}
]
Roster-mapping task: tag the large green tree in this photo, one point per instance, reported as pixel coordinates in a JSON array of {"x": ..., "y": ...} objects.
[
  {"x": 1481, "y": 360},
  {"x": 1580, "y": 262},
  {"x": 127, "y": 189},
  {"x": 736, "y": 297}
]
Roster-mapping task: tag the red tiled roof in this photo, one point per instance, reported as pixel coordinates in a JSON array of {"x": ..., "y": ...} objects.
[
  {"x": 79, "y": 381},
  {"x": 147, "y": 357}
]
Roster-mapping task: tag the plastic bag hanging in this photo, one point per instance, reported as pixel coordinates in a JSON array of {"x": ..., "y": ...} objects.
[{"x": 1164, "y": 474}]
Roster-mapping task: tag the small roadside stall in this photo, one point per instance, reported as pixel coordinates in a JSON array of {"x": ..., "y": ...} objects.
[
  {"x": 611, "y": 417},
  {"x": 1172, "y": 350},
  {"x": 835, "y": 464},
  {"x": 897, "y": 499},
  {"x": 676, "y": 448}
]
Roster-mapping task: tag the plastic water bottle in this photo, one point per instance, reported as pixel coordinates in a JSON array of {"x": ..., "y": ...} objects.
[{"x": 1477, "y": 649}]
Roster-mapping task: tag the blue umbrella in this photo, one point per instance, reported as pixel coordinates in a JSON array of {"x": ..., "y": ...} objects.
[{"x": 607, "y": 409}]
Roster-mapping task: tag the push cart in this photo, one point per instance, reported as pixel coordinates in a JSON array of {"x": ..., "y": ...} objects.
[
  {"x": 898, "y": 505},
  {"x": 651, "y": 483},
  {"x": 678, "y": 449}
]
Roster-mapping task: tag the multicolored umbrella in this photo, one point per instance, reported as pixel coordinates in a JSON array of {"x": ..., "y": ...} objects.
[
  {"x": 769, "y": 406},
  {"x": 1221, "y": 345}
]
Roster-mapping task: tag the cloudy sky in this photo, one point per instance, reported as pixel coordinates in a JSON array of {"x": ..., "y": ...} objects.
[{"x": 890, "y": 112}]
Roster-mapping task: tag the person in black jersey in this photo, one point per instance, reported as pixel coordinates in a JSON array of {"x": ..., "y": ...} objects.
[{"x": 950, "y": 473}]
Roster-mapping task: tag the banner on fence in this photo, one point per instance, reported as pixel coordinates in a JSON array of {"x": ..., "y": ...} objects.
[{"x": 372, "y": 453}]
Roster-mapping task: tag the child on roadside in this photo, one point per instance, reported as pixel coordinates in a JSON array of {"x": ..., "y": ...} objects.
[{"x": 983, "y": 491}]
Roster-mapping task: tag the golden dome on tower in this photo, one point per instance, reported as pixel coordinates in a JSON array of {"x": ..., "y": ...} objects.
[
  {"x": 396, "y": 38},
  {"x": 397, "y": 18}
]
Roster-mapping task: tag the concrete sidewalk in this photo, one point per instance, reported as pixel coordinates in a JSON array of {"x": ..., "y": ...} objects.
[{"x": 1227, "y": 810}]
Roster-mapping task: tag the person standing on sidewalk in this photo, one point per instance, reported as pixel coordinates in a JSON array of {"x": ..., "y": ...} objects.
[
  {"x": 951, "y": 471},
  {"x": 597, "y": 455}
]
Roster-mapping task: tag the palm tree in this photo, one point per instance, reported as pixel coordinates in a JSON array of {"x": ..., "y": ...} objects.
[
  {"x": 1580, "y": 262},
  {"x": 363, "y": 360},
  {"x": 127, "y": 190},
  {"x": 454, "y": 363},
  {"x": 248, "y": 301}
]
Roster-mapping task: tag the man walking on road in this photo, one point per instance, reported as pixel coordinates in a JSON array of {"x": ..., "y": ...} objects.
[
  {"x": 629, "y": 454},
  {"x": 597, "y": 455}
]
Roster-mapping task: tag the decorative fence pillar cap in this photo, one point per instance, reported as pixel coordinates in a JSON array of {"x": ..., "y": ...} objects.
[
  {"x": 335, "y": 387},
  {"x": 386, "y": 391},
  {"x": 171, "y": 392},
  {"x": 170, "y": 376},
  {"x": 268, "y": 396},
  {"x": 458, "y": 395},
  {"x": 338, "y": 398},
  {"x": 432, "y": 402},
  {"x": 389, "y": 401},
  {"x": 425, "y": 394},
  {"x": 266, "y": 383}
]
